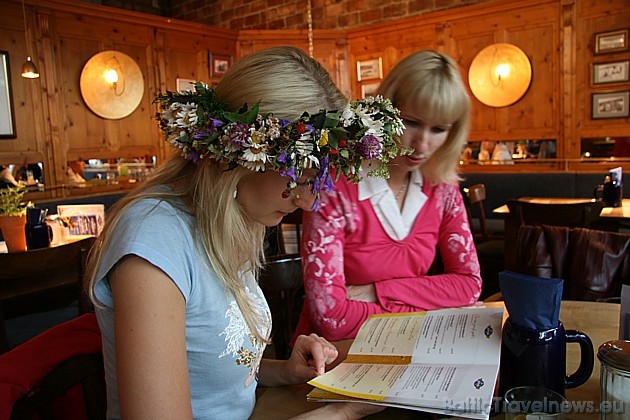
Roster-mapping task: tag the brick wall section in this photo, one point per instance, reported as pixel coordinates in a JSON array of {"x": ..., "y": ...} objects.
[
  {"x": 291, "y": 14},
  {"x": 286, "y": 14},
  {"x": 154, "y": 7}
]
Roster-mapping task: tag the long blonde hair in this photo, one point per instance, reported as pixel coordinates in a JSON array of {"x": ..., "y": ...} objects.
[
  {"x": 287, "y": 82},
  {"x": 430, "y": 83}
]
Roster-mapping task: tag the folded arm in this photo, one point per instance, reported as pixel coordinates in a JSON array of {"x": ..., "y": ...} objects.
[
  {"x": 337, "y": 310},
  {"x": 459, "y": 285}
]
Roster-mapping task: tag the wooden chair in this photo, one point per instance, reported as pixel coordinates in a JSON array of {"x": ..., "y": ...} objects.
[
  {"x": 30, "y": 280},
  {"x": 474, "y": 197},
  {"x": 286, "y": 238},
  {"x": 58, "y": 374},
  {"x": 291, "y": 232},
  {"x": 281, "y": 282},
  {"x": 490, "y": 247}
]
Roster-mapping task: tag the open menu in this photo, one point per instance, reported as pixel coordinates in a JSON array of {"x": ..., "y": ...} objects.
[{"x": 444, "y": 361}]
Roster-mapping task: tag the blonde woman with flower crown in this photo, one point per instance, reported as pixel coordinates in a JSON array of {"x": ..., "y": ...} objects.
[
  {"x": 370, "y": 248},
  {"x": 173, "y": 277}
]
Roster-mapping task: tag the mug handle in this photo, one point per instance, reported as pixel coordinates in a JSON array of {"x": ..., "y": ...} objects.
[
  {"x": 50, "y": 232},
  {"x": 587, "y": 358}
]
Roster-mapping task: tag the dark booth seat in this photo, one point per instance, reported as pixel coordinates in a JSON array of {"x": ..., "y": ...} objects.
[{"x": 593, "y": 264}]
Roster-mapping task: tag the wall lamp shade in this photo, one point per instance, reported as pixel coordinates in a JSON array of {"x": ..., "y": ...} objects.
[
  {"x": 112, "y": 84},
  {"x": 29, "y": 69},
  {"x": 499, "y": 75}
]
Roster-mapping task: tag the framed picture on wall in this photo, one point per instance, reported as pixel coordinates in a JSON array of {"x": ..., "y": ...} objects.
[
  {"x": 369, "y": 89},
  {"x": 7, "y": 120},
  {"x": 610, "y": 105},
  {"x": 219, "y": 64},
  {"x": 370, "y": 69},
  {"x": 610, "y": 72},
  {"x": 186, "y": 84},
  {"x": 612, "y": 41}
]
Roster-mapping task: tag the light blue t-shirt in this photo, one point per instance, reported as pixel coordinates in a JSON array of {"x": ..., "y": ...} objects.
[{"x": 222, "y": 355}]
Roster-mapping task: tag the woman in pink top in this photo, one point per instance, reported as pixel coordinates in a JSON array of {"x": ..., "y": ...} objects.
[{"x": 370, "y": 247}]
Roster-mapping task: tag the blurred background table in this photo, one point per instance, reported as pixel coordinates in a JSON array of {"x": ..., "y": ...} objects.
[{"x": 622, "y": 212}]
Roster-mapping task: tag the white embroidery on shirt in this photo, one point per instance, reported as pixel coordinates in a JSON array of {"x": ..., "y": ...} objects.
[{"x": 237, "y": 330}]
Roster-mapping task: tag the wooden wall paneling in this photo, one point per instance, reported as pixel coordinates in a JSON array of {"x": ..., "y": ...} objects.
[
  {"x": 83, "y": 131},
  {"x": 328, "y": 46},
  {"x": 29, "y": 143},
  {"x": 160, "y": 83},
  {"x": 596, "y": 17},
  {"x": 484, "y": 123},
  {"x": 87, "y": 135},
  {"x": 534, "y": 115},
  {"x": 134, "y": 133},
  {"x": 392, "y": 43},
  {"x": 51, "y": 99},
  {"x": 569, "y": 146},
  {"x": 597, "y": 21},
  {"x": 186, "y": 57}
]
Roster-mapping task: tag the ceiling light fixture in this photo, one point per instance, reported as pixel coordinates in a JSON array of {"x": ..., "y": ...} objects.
[{"x": 29, "y": 69}]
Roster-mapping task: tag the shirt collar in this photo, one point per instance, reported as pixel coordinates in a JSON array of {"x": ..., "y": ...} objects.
[{"x": 374, "y": 186}]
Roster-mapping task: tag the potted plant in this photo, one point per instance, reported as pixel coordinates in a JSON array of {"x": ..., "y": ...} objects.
[
  {"x": 13, "y": 218},
  {"x": 123, "y": 174}
]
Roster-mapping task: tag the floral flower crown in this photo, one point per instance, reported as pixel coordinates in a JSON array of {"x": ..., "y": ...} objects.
[{"x": 330, "y": 141}]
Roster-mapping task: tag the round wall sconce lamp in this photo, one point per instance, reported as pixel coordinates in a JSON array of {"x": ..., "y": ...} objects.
[
  {"x": 499, "y": 75},
  {"x": 112, "y": 85}
]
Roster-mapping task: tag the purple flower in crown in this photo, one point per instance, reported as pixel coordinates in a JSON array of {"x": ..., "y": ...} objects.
[
  {"x": 193, "y": 156},
  {"x": 288, "y": 171},
  {"x": 214, "y": 124},
  {"x": 369, "y": 146},
  {"x": 316, "y": 203},
  {"x": 283, "y": 123},
  {"x": 200, "y": 135},
  {"x": 239, "y": 134},
  {"x": 328, "y": 184},
  {"x": 323, "y": 181},
  {"x": 285, "y": 167},
  {"x": 284, "y": 158}
]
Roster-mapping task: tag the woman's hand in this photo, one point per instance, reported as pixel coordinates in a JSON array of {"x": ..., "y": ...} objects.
[
  {"x": 310, "y": 356},
  {"x": 361, "y": 292}
]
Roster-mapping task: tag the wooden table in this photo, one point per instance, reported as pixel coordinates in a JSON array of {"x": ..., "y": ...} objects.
[{"x": 600, "y": 321}]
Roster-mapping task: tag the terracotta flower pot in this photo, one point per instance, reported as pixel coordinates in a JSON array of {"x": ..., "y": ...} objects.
[{"x": 13, "y": 232}]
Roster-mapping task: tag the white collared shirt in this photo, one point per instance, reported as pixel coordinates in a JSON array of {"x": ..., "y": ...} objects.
[{"x": 395, "y": 222}]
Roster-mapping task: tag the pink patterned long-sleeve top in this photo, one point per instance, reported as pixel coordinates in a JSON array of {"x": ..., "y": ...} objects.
[{"x": 345, "y": 243}]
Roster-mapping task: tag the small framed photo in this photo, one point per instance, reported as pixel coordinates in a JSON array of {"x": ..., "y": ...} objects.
[
  {"x": 610, "y": 105},
  {"x": 184, "y": 85},
  {"x": 7, "y": 120},
  {"x": 369, "y": 89},
  {"x": 610, "y": 72},
  {"x": 219, "y": 64},
  {"x": 370, "y": 69},
  {"x": 607, "y": 42}
]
